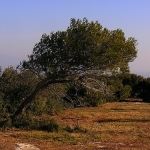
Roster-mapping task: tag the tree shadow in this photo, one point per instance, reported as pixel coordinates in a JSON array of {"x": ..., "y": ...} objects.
[
  {"x": 122, "y": 110},
  {"x": 122, "y": 120},
  {"x": 132, "y": 100}
]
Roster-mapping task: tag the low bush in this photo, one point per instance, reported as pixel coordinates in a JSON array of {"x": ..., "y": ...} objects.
[
  {"x": 50, "y": 126},
  {"x": 75, "y": 129},
  {"x": 25, "y": 122}
]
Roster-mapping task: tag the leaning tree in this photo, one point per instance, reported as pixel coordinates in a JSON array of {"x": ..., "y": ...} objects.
[{"x": 85, "y": 49}]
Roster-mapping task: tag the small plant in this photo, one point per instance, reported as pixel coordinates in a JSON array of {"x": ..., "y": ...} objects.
[
  {"x": 79, "y": 129},
  {"x": 25, "y": 122},
  {"x": 50, "y": 126},
  {"x": 6, "y": 123},
  {"x": 76, "y": 129},
  {"x": 68, "y": 129}
]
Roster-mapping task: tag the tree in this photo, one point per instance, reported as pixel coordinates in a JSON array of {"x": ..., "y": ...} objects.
[
  {"x": 140, "y": 86},
  {"x": 135, "y": 81},
  {"x": 84, "y": 49},
  {"x": 14, "y": 87},
  {"x": 145, "y": 86}
]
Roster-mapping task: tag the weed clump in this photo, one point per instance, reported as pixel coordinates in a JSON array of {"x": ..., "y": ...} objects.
[
  {"x": 50, "y": 126},
  {"x": 27, "y": 121},
  {"x": 75, "y": 129}
]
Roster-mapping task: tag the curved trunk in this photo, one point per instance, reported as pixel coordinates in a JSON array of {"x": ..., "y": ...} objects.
[
  {"x": 24, "y": 105},
  {"x": 28, "y": 100}
]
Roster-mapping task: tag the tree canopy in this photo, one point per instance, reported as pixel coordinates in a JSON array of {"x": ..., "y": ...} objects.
[{"x": 84, "y": 49}]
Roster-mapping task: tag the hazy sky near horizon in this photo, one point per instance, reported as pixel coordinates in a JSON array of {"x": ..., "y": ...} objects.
[{"x": 22, "y": 23}]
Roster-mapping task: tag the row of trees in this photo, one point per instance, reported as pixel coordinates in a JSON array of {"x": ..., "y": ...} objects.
[
  {"x": 16, "y": 86},
  {"x": 59, "y": 96},
  {"x": 84, "y": 65},
  {"x": 139, "y": 86}
]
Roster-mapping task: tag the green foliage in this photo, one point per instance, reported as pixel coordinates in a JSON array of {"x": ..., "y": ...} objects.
[
  {"x": 50, "y": 126},
  {"x": 15, "y": 86},
  {"x": 84, "y": 45},
  {"x": 54, "y": 106},
  {"x": 94, "y": 98},
  {"x": 85, "y": 49},
  {"x": 75, "y": 94},
  {"x": 135, "y": 82},
  {"x": 48, "y": 105},
  {"x": 2, "y": 106},
  {"x": 25, "y": 122},
  {"x": 145, "y": 86},
  {"x": 5, "y": 123},
  {"x": 39, "y": 105},
  {"x": 125, "y": 92},
  {"x": 139, "y": 86},
  {"x": 79, "y": 96}
]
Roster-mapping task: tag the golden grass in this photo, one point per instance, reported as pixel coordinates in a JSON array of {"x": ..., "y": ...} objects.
[{"x": 112, "y": 126}]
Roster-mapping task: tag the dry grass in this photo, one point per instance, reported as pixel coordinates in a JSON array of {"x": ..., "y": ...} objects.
[{"x": 112, "y": 126}]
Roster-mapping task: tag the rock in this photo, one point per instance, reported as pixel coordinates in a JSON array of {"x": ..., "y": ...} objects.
[{"x": 25, "y": 146}]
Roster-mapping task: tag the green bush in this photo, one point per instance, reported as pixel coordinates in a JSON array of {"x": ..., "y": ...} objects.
[
  {"x": 75, "y": 94},
  {"x": 81, "y": 96},
  {"x": 93, "y": 98},
  {"x": 43, "y": 104},
  {"x": 25, "y": 122},
  {"x": 5, "y": 123},
  {"x": 50, "y": 126}
]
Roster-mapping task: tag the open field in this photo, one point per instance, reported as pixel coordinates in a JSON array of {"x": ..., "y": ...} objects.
[{"x": 111, "y": 126}]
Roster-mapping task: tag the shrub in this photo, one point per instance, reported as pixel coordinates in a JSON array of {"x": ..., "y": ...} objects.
[
  {"x": 25, "y": 122},
  {"x": 47, "y": 105},
  {"x": 68, "y": 129},
  {"x": 5, "y": 123},
  {"x": 93, "y": 98},
  {"x": 50, "y": 126},
  {"x": 76, "y": 129}
]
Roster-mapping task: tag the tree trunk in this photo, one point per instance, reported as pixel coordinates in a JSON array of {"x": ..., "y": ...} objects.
[
  {"x": 28, "y": 100},
  {"x": 24, "y": 105}
]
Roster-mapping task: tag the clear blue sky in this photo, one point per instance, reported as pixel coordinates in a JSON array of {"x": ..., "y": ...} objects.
[{"x": 22, "y": 23}]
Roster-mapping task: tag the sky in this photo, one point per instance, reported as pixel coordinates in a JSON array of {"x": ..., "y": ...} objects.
[{"x": 22, "y": 23}]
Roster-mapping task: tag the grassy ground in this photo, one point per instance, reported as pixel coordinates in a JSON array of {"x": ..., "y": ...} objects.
[{"x": 112, "y": 126}]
